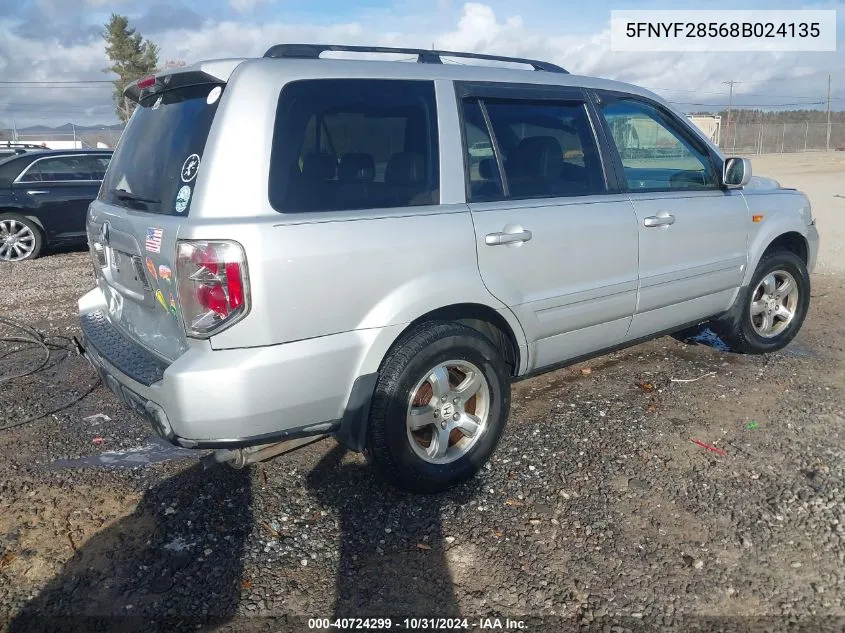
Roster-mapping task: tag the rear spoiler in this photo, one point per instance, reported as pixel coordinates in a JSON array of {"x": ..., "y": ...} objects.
[{"x": 214, "y": 71}]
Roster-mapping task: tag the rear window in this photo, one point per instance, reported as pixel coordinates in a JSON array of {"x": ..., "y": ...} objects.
[
  {"x": 155, "y": 164},
  {"x": 343, "y": 144}
]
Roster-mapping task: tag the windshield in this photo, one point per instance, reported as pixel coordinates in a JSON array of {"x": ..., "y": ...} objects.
[{"x": 155, "y": 164}]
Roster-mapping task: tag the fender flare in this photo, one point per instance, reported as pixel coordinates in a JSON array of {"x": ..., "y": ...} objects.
[{"x": 765, "y": 237}]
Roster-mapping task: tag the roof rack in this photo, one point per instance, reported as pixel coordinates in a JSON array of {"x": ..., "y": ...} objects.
[
  {"x": 313, "y": 51},
  {"x": 20, "y": 145}
]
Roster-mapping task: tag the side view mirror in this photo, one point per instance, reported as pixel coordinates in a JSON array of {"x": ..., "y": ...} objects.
[{"x": 736, "y": 172}]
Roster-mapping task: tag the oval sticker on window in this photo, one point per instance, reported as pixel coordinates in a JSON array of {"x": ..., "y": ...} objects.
[
  {"x": 214, "y": 95},
  {"x": 182, "y": 199}
]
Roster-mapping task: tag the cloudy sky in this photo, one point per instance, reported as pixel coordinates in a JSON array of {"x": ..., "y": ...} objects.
[{"x": 60, "y": 40}]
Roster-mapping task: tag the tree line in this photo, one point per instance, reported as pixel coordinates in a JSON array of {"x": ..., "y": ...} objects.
[{"x": 744, "y": 116}]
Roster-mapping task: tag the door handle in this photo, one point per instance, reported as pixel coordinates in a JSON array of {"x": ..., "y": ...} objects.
[
  {"x": 661, "y": 219},
  {"x": 35, "y": 192},
  {"x": 496, "y": 239}
]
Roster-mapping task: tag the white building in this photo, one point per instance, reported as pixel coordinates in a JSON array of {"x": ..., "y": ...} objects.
[{"x": 711, "y": 125}]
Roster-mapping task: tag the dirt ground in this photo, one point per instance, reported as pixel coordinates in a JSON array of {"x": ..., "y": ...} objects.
[{"x": 598, "y": 511}]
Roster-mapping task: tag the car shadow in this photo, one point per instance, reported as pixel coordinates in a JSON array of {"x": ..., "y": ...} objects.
[
  {"x": 61, "y": 249},
  {"x": 174, "y": 564},
  {"x": 393, "y": 559}
]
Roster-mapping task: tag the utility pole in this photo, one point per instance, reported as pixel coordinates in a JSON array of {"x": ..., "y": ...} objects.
[
  {"x": 730, "y": 104},
  {"x": 827, "y": 144}
]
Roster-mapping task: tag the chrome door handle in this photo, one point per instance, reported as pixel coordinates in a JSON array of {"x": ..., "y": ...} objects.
[
  {"x": 35, "y": 192},
  {"x": 661, "y": 219},
  {"x": 495, "y": 239}
]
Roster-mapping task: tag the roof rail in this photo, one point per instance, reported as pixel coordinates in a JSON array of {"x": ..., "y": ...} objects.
[
  {"x": 313, "y": 51},
  {"x": 19, "y": 145}
]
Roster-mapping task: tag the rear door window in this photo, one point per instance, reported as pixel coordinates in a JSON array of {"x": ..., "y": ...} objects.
[
  {"x": 485, "y": 181},
  {"x": 156, "y": 161},
  {"x": 342, "y": 144},
  {"x": 547, "y": 148},
  {"x": 60, "y": 169}
]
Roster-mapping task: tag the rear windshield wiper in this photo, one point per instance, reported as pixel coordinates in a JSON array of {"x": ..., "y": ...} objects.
[{"x": 134, "y": 197}]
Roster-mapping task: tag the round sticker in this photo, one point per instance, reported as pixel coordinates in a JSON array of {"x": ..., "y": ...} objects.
[
  {"x": 190, "y": 167},
  {"x": 182, "y": 199},
  {"x": 214, "y": 95}
]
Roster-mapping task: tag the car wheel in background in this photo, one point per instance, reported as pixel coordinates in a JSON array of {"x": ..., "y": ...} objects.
[{"x": 20, "y": 239}]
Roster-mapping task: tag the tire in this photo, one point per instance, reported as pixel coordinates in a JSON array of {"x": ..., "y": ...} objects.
[
  {"x": 28, "y": 243},
  {"x": 411, "y": 459},
  {"x": 742, "y": 332}
]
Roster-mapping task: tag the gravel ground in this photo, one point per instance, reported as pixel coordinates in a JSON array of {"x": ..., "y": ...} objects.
[{"x": 597, "y": 512}]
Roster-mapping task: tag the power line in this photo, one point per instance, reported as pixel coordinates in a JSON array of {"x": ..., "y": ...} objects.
[
  {"x": 827, "y": 145},
  {"x": 69, "y": 81},
  {"x": 730, "y": 102},
  {"x": 791, "y": 77},
  {"x": 743, "y": 94},
  {"x": 33, "y": 87}
]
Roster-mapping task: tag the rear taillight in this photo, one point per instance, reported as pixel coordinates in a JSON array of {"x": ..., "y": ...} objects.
[{"x": 213, "y": 285}]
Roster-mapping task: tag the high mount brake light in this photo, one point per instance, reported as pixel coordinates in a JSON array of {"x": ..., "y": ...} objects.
[
  {"x": 213, "y": 286},
  {"x": 146, "y": 82}
]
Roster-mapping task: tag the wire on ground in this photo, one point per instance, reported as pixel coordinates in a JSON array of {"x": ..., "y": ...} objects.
[{"x": 29, "y": 335}]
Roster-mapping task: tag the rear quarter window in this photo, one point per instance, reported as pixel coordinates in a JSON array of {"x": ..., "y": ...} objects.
[{"x": 342, "y": 144}]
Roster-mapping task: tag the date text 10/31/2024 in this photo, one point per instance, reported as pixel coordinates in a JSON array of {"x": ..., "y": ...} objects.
[{"x": 416, "y": 624}]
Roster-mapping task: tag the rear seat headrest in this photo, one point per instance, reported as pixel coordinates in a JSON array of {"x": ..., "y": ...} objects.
[
  {"x": 319, "y": 166},
  {"x": 405, "y": 168},
  {"x": 488, "y": 169},
  {"x": 537, "y": 156},
  {"x": 356, "y": 167}
]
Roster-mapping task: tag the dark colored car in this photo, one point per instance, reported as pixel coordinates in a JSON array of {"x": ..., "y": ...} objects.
[
  {"x": 44, "y": 198},
  {"x": 14, "y": 148}
]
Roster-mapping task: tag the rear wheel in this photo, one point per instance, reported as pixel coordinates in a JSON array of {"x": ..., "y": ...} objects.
[
  {"x": 769, "y": 312},
  {"x": 20, "y": 239},
  {"x": 439, "y": 407}
]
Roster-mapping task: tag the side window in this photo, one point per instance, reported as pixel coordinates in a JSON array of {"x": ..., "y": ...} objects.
[
  {"x": 485, "y": 182},
  {"x": 343, "y": 144},
  {"x": 655, "y": 153},
  {"x": 62, "y": 168},
  {"x": 33, "y": 174},
  {"x": 547, "y": 147},
  {"x": 96, "y": 166}
]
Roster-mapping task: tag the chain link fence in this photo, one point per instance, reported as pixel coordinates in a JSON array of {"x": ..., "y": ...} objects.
[
  {"x": 82, "y": 139},
  {"x": 778, "y": 138}
]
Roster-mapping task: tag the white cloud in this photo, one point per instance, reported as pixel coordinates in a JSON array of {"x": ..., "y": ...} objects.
[
  {"x": 689, "y": 78},
  {"x": 243, "y": 6}
]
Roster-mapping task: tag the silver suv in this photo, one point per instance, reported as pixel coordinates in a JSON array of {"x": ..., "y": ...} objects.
[{"x": 297, "y": 246}]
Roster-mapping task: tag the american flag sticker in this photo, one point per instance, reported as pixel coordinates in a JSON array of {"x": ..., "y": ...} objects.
[{"x": 153, "y": 243}]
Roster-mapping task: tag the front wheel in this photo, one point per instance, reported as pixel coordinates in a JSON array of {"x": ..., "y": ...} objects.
[
  {"x": 439, "y": 407},
  {"x": 20, "y": 239},
  {"x": 769, "y": 312}
]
